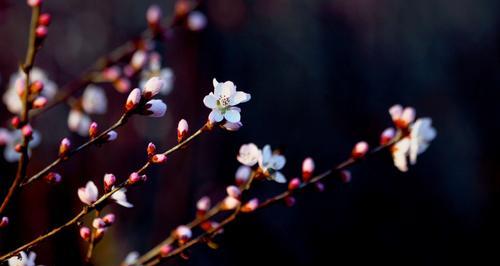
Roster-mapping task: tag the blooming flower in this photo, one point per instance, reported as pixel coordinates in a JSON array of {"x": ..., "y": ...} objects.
[
  {"x": 23, "y": 259},
  {"x": 79, "y": 122},
  {"x": 121, "y": 198},
  {"x": 11, "y": 138},
  {"x": 421, "y": 134},
  {"x": 271, "y": 164},
  {"x": 249, "y": 154},
  {"x": 94, "y": 100},
  {"x": 223, "y": 102},
  {"x": 89, "y": 193},
  {"x": 17, "y": 83}
]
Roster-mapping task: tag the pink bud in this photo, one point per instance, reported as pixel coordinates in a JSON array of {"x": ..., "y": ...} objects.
[
  {"x": 122, "y": 85},
  {"x": 233, "y": 191},
  {"x": 251, "y": 205},
  {"x": 109, "y": 219},
  {"x": 53, "y": 178},
  {"x": 85, "y": 233},
  {"x": 153, "y": 15},
  {"x": 93, "y": 130},
  {"x": 290, "y": 201},
  {"x": 243, "y": 174},
  {"x": 159, "y": 158},
  {"x": 387, "y": 135},
  {"x": 152, "y": 87},
  {"x": 4, "y": 222},
  {"x": 44, "y": 19},
  {"x": 182, "y": 130},
  {"x": 134, "y": 178},
  {"x": 109, "y": 181},
  {"x": 294, "y": 184},
  {"x": 346, "y": 176},
  {"x": 133, "y": 99},
  {"x": 15, "y": 121},
  {"x": 64, "y": 147},
  {"x": 151, "y": 149},
  {"x": 360, "y": 150},
  {"x": 203, "y": 204},
  {"x": 27, "y": 131},
  {"x": 183, "y": 233},
  {"x": 165, "y": 250},
  {"x": 111, "y": 73},
  {"x": 307, "y": 169},
  {"x": 98, "y": 223},
  {"x": 36, "y": 87},
  {"x": 34, "y": 3},
  {"x": 18, "y": 148},
  {"x": 320, "y": 186},
  {"x": 41, "y": 32},
  {"x": 40, "y": 102}
]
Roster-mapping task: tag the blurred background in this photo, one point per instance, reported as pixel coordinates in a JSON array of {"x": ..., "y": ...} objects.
[{"x": 322, "y": 75}]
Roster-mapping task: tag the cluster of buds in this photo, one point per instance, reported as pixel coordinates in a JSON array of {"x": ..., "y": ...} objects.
[
  {"x": 53, "y": 178},
  {"x": 43, "y": 22},
  {"x": 100, "y": 225},
  {"x": 135, "y": 178},
  {"x": 232, "y": 199},
  {"x": 142, "y": 102}
]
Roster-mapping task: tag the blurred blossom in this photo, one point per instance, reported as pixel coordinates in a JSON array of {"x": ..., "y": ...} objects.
[
  {"x": 196, "y": 21},
  {"x": 12, "y": 138},
  {"x": 79, "y": 122},
  {"x": 94, "y": 100}
]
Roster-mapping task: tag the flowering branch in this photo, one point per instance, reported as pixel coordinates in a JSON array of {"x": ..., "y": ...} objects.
[
  {"x": 101, "y": 202},
  {"x": 33, "y": 45},
  {"x": 157, "y": 254}
]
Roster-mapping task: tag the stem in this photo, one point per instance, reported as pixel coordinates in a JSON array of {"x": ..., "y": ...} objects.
[
  {"x": 92, "y": 240},
  {"x": 123, "y": 119},
  {"x": 101, "y": 201},
  {"x": 26, "y": 68},
  {"x": 153, "y": 257}
]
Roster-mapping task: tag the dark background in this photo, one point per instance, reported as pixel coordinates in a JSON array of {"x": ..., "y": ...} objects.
[{"x": 322, "y": 75}]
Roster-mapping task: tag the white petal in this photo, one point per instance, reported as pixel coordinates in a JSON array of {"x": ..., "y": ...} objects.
[
  {"x": 215, "y": 116},
  {"x": 210, "y": 101},
  {"x": 92, "y": 191},
  {"x": 249, "y": 154},
  {"x": 239, "y": 97},
  {"x": 227, "y": 89},
  {"x": 279, "y": 177},
  {"x": 217, "y": 88},
  {"x": 10, "y": 154},
  {"x": 277, "y": 162},
  {"x": 232, "y": 116}
]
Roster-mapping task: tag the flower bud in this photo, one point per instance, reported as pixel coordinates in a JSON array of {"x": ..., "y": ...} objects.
[
  {"x": 229, "y": 203},
  {"x": 151, "y": 149},
  {"x": 111, "y": 73},
  {"x": 402, "y": 118},
  {"x": 44, "y": 19},
  {"x": 251, "y": 205},
  {"x": 290, "y": 201},
  {"x": 165, "y": 250},
  {"x": 387, "y": 135},
  {"x": 294, "y": 184},
  {"x": 53, "y": 178},
  {"x": 64, "y": 147},
  {"x": 183, "y": 234},
  {"x": 243, "y": 174},
  {"x": 320, "y": 186},
  {"x": 18, "y": 147},
  {"x": 155, "y": 108},
  {"x": 109, "y": 181},
  {"x": 134, "y": 178},
  {"x": 41, "y": 32},
  {"x": 307, "y": 169},
  {"x": 109, "y": 219},
  {"x": 15, "y": 121},
  {"x": 203, "y": 205},
  {"x": 152, "y": 87},
  {"x": 39, "y": 102},
  {"x": 27, "y": 131},
  {"x": 138, "y": 59},
  {"x": 359, "y": 150},
  {"x": 4, "y": 222},
  {"x": 133, "y": 99},
  {"x": 36, "y": 87},
  {"x": 85, "y": 233},
  {"x": 182, "y": 7},
  {"x": 233, "y": 191},
  {"x": 93, "y": 130},
  {"x": 196, "y": 21},
  {"x": 182, "y": 130},
  {"x": 122, "y": 85},
  {"x": 34, "y": 3},
  {"x": 98, "y": 223},
  {"x": 111, "y": 136},
  {"x": 153, "y": 15},
  {"x": 345, "y": 176},
  {"x": 99, "y": 234},
  {"x": 159, "y": 158}
]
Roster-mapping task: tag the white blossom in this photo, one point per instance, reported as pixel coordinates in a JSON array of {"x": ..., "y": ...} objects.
[
  {"x": 249, "y": 154},
  {"x": 23, "y": 259},
  {"x": 271, "y": 164},
  {"x": 223, "y": 102},
  {"x": 121, "y": 198},
  {"x": 94, "y": 100},
  {"x": 89, "y": 193},
  {"x": 11, "y": 138}
]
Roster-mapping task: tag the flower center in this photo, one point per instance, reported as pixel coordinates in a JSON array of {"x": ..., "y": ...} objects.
[{"x": 224, "y": 101}]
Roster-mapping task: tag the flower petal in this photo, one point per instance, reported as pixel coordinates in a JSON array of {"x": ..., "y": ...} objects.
[
  {"x": 232, "y": 116},
  {"x": 210, "y": 101},
  {"x": 215, "y": 116},
  {"x": 239, "y": 97},
  {"x": 279, "y": 177},
  {"x": 227, "y": 89}
]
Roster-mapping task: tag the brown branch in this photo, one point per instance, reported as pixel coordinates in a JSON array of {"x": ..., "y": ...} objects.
[
  {"x": 97, "y": 140},
  {"x": 102, "y": 200},
  {"x": 153, "y": 256},
  {"x": 26, "y": 68}
]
